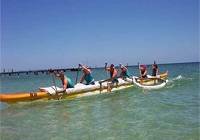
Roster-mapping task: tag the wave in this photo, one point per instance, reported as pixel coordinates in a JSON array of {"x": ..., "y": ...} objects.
[
  {"x": 179, "y": 77},
  {"x": 172, "y": 81},
  {"x": 178, "y": 81}
]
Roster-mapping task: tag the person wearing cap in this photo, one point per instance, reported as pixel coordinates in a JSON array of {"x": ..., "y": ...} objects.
[
  {"x": 124, "y": 72},
  {"x": 143, "y": 71},
  {"x": 154, "y": 69},
  {"x": 87, "y": 76},
  {"x": 113, "y": 73},
  {"x": 66, "y": 81}
]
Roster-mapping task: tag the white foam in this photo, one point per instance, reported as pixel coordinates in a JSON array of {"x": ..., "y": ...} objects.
[{"x": 178, "y": 77}]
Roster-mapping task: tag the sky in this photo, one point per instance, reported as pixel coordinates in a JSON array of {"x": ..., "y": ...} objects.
[{"x": 42, "y": 34}]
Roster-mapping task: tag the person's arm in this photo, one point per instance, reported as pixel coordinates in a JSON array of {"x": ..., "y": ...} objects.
[
  {"x": 157, "y": 71},
  {"x": 51, "y": 71},
  {"x": 82, "y": 78},
  {"x": 123, "y": 67},
  {"x": 85, "y": 69},
  {"x": 140, "y": 73},
  {"x": 106, "y": 68},
  {"x": 145, "y": 73},
  {"x": 56, "y": 74},
  {"x": 65, "y": 84}
]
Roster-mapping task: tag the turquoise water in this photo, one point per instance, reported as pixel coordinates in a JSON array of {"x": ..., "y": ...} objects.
[{"x": 171, "y": 113}]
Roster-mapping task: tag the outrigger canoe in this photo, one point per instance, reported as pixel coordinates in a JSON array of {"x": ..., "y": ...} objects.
[
  {"x": 151, "y": 82},
  {"x": 47, "y": 93}
]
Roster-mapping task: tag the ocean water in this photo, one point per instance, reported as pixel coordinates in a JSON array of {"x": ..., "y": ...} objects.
[{"x": 170, "y": 113}]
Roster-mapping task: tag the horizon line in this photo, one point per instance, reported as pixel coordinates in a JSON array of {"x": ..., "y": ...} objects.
[{"x": 69, "y": 68}]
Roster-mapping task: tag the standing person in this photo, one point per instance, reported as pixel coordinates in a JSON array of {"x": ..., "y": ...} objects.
[
  {"x": 87, "y": 76},
  {"x": 143, "y": 71},
  {"x": 113, "y": 73},
  {"x": 124, "y": 71},
  {"x": 154, "y": 69}
]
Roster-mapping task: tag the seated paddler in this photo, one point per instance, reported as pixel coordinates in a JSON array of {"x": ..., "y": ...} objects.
[
  {"x": 113, "y": 73},
  {"x": 87, "y": 75},
  {"x": 154, "y": 69},
  {"x": 143, "y": 71},
  {"x": 66, "y": 81},
  {"x": 124, "y": 71}
]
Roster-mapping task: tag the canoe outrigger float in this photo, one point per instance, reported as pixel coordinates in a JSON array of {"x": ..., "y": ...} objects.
[{"x": 102, "y": 86}]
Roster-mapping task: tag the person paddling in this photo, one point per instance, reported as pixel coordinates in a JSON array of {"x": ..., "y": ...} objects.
[
  {"x": 154, "y": 69},
  {"x": 113, "y": 73},
  {"x": 87, "y": 76},
  {"x": 124, "y": 72},
  {"x": 143, "y": 71},
  {"x": 66, "y": 81}
]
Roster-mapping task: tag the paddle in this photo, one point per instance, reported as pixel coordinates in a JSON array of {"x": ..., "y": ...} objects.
[
  {"x": 120, "y": 65},
  {"x": 138, "y": 69},
  {"x": 105, "y": 65},
  {"x": 138, "y": 66},
  {"x": 100, "y": 82},
  {"x": 54, "y": 83},
  {"x": 53, "y": 78},
  {"x": 77, "y": 73}
]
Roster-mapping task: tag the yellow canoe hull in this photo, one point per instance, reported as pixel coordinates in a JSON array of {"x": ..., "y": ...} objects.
[{"x": 26, "y": 96}]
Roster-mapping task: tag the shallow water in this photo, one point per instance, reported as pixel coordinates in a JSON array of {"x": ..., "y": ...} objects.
[{"x": 170, "y": 113}]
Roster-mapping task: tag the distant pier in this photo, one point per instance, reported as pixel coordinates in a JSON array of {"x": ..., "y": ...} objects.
[{"x": 34, "y": 72}]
